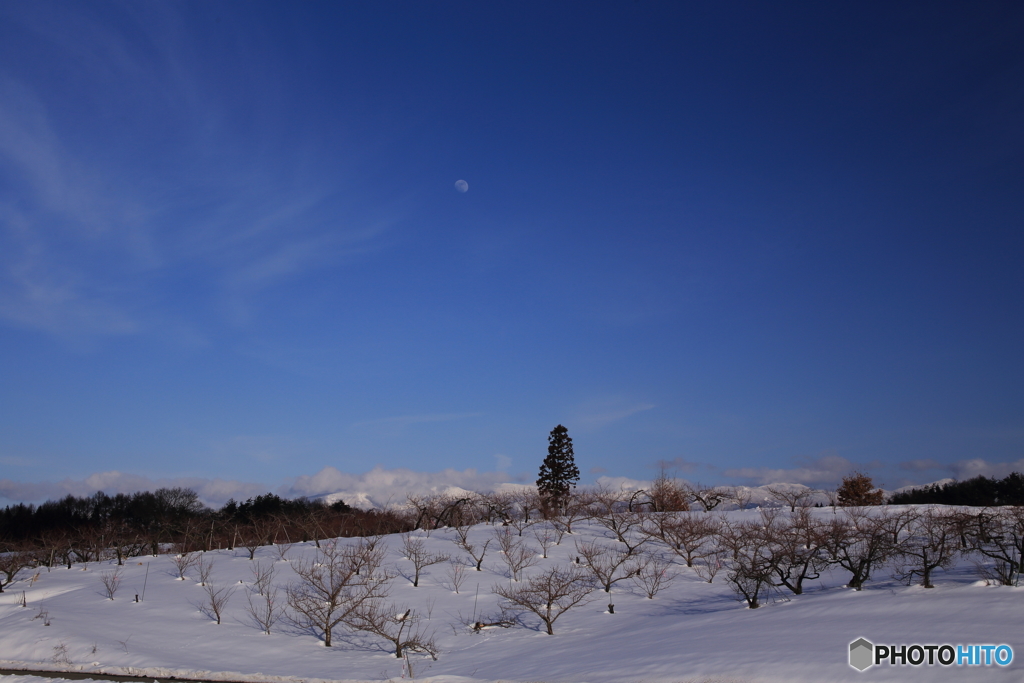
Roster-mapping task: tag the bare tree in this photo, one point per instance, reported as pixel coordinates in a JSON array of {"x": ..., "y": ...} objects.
[
  {"x": 667, "y": 494},
  {"x": 124, "y": 541},
  {"x": 263, "y": 607},
  {"x": 499, "y": 506},
  {"x": 424, "y": 510},
  {"x": 216, "y": 600},
  {"x": 708, "y": 497},
  {"x": 262, "y": 576},
  {"x": 12, "y": 562},
  {"x": 931, "y": 544},
  {"x": 456, "y": 573},
  {"x": 558, "y": 529},
  {"x": 527, "y": 502},
  {"x": 713, "y": 561},
  {"x": 367, "y": 555},
  {"x": 460, "y": 510},
  {"x": 858, "y": 541},
  {"x": 461, "y": 534},
  {"x": 477, "y": 552},
  {"x": 998, "y": 534},
  {"x": 204, "y": 567},
  {"x": 653, "y": 574},
  {"x": 603, "y": 501},
  {"x": 282, "y": 550},
  {"x": 797, "y": 544},
  {"x": 550, "y": 594},
  {"x": 521, "y": 557},
  {"x": 183, "y": 562},
  {"x": 329, "y": 589},
  {"x": 397, "y": 625},
  {"x": 687, "y": 534},
  {"x": 625, "y": 526},
  {"x": 741, "y": 496},
  {"x": 577, "y": 508},
  {"x": 257, "y": 533},
  {"x": 608, "y": 565},
  {"x": 437, "y": 511},
  {"x": 516, "y": 554},
  {"x": 752, "y": 563},
  {"x": 794, "y": 498},
  {"x": 314, "y": 523},
  {"x": 898, "y": 522},
  {"x": 415, "y": 550},
  {"x": 545, "y": 538},
  {"x": 111, "y": 582}
]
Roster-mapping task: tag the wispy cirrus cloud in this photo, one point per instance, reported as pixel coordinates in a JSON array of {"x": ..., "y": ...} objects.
[
  {"x": 599, "y": 412},
  {"x": 101, "y": 244},
  {"x": 50, "y": 213}
]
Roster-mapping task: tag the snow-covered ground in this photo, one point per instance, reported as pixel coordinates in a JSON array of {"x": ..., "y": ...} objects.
[{"x": 691, "y": 631}]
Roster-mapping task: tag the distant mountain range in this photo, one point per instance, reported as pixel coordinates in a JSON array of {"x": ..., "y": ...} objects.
[{"x": 754, "y": 496}]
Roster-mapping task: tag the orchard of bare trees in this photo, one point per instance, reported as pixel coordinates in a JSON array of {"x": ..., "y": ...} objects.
[
  {"x": 533, "y": 562},
  {"x": 647, "y": 536}
]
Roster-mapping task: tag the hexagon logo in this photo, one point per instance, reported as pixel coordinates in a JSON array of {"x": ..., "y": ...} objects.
[{"x": 862, "y": 654}]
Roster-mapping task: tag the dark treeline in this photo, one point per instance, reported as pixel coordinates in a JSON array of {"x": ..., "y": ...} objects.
[
  {"x": 978, "y": 492},
  {"x": 84, "y": 529}
]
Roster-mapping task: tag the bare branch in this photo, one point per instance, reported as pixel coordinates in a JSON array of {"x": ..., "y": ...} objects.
[{"x": 262, "y": 576}]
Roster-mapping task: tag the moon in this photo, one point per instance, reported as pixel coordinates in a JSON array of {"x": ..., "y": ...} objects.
[{"x": 461, "y": 186}]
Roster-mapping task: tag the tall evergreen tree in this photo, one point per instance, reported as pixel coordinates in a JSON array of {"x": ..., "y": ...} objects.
[{"x": 558, "y": 473}]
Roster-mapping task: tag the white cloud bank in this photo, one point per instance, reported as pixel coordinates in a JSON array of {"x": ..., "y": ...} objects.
[
  {"x": 825, "y": 470},
  {"x": 378, "y": 487},
  {"x": 965, "y": 469},
  {"x": 214, "y": 492}
]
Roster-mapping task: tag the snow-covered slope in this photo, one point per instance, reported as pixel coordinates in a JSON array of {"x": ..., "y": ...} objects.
[{"x": 691, "y": 631}]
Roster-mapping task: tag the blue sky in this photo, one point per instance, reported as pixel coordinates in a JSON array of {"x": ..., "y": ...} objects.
[{"x": 754, "y": 242}]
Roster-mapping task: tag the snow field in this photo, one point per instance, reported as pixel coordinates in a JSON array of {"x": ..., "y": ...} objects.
[{"x": 690, "y": 631}]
